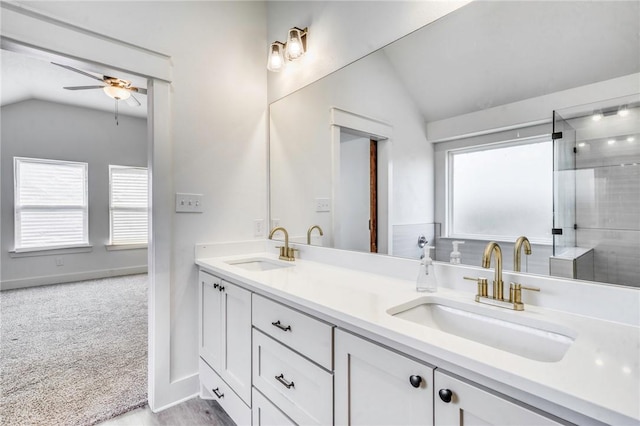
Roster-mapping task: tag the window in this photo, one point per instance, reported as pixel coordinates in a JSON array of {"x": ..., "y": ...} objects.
[
  {"x": 50, "y": 204},
  {"x": 501, "y": 191},
  {"x": 128, "y": 205}
]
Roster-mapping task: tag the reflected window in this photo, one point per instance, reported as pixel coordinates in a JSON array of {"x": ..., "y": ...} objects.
[{"x": 501, "y": 191}]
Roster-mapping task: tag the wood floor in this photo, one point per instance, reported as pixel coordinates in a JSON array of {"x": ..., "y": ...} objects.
[{"x": 193, "y": 412}]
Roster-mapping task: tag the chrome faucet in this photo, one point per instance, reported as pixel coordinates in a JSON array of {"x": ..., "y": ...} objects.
[
  {"x": 517, "y": 251},
  {"x": 286, "y": 253},
  {"x": 310, "y": 230},
  {"x": 498, "y": 285}
]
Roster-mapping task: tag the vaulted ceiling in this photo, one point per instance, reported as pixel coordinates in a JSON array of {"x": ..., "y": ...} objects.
[{"x": 25, "y": 77}]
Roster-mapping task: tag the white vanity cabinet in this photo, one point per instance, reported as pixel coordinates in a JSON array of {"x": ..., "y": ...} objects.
[
  {"x": 376, "y": 386},
  {"x": 225, "y": 342},
  {"x": 291, "y": 353},
  {"x": 460, "y": 403},
  {"x": 265, "y": 413}
]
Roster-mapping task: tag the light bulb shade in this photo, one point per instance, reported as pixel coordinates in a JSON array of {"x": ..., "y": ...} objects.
[
  {"x": 275, "y": 62},
  {"x": 296, "y": 40},
  {"x": 117, "y": 93}
]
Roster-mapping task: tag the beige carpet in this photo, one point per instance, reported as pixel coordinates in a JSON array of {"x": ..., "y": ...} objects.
[{"x": 73, "y": 354}]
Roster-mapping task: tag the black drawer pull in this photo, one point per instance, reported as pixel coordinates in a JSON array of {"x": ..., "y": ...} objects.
[
  {"x": 215, "y": 285},
  {"x": 221, "y": 287},
  {"x": 280, "y": 326},
  {"x": 281, "y": 379},
  {"x": 217, "y": 393}
]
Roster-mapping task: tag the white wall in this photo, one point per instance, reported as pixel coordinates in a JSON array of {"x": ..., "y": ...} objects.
[
  {"x": 218, "y": 133},
  {"x": 41, "y": 129},
  {"x": 341, "y": 32}
]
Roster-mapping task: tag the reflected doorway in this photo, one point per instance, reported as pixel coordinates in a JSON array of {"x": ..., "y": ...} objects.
[{"x": 357, "y": 192}]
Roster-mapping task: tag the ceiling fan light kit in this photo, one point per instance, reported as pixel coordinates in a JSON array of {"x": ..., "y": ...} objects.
[
  {"x": 116, "y": 88},
  {"x": 117, "y": 93}
]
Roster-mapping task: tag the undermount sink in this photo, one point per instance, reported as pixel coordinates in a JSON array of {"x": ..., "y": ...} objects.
[
  {"x": 524, "y": 336},
  {"x": 259, "y": 264}
]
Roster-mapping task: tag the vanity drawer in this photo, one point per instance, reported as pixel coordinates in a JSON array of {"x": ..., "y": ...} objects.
[
  {"x": 309, "y": 336},
  {"x": 301, "y": 389},
  {"x": 221, "y": 392},
  {"x": 264, "y": 413}
]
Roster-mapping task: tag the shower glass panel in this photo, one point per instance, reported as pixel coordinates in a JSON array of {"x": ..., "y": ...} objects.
[
  {"x": 564, "y": 185},
  {"x": 601, "y": 194}
]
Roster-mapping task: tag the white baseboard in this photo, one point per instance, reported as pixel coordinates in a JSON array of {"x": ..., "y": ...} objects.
[{"x": 72, "y": 277}]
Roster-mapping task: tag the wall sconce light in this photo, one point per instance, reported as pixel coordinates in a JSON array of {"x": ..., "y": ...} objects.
[
  {"x": 294, "y": 48},
  {"x": 276, "y": 56}
]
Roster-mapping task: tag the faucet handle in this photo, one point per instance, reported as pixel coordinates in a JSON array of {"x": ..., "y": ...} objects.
[
  {"x": 515, "y": 291},
  {"x": 483, "y": 285}
]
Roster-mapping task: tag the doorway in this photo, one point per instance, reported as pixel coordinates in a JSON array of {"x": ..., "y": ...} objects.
[
  {"x": 361, "y": 182},
  {"x": 357, "y": 193},
  {"x": 55, "y": 40},
  {"x": 45, "y": 138}
]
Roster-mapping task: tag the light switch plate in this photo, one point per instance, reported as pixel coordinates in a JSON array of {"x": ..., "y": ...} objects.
[
  {"x": 188, "y": 203},
  {"x": 258, "y": 228},
  {"x": 323, "y": 205}
]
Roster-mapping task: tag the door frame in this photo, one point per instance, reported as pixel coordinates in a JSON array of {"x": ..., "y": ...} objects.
[
  {"x": 383, "y": 133},
  {"x": 25, "y": 30}
]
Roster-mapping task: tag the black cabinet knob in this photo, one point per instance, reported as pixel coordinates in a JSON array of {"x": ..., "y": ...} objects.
[
  {"x": 445, "y": 395},
  {"x": 415, "y": 381}
]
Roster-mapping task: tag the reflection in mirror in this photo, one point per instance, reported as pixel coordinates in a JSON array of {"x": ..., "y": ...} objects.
[{"x": 486, "y": 76}]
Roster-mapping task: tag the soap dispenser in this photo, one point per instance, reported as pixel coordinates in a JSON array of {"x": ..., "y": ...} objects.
[
  {"x": 455, "y": 254},
  {"x": 427, "y": 276}
]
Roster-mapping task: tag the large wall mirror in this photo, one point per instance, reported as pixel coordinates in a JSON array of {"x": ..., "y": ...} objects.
[{"x": 369, "y": 152}]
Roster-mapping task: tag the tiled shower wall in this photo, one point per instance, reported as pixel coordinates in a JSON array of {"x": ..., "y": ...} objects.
[{"x": 608, "y": 204}]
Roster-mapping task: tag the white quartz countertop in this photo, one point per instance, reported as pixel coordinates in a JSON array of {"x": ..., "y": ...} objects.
[{"x": 599, "y": 376}]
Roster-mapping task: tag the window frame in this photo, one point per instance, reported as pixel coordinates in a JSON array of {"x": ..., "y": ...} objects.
[
  {"x": 449, "y": 188},
  {"x": 18, "y": 208},
  {"x": 119, "y": 245}
]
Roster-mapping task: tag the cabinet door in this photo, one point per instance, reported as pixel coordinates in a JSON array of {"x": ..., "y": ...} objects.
[
  {"x": 470, "y": 405},
  {"x": 210, "y": 324},
  {"x": 376, "y": 386},
  {"x": 264, "y": 413},
  {"x": 235, "y": 367}
]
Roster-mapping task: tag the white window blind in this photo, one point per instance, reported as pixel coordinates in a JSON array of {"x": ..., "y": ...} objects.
[
  {"x": 51, "y": 208},
  {"x": 128, "y": 205}
]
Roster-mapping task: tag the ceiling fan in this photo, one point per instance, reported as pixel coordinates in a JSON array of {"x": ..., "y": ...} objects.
[{"x": 116, "y": 88}]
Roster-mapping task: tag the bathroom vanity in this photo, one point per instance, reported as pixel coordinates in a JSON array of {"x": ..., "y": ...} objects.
[{"x": 340, "y": 337}]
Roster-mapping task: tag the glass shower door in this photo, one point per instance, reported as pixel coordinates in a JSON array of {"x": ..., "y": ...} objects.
[{"x": 564, "y": 185}]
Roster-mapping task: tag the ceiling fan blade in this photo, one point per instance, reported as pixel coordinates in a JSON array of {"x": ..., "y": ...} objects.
[
  {"x": 83, "y": 87},
  {"x": 138, "y": 90},
  {"x": 78, "y": 71},
  {"x": 133, "y": 101}
]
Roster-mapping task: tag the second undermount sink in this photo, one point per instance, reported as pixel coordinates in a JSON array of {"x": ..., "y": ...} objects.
[
  {"x": 524, "y": 336},
  {"x": 259, "y": 264}
]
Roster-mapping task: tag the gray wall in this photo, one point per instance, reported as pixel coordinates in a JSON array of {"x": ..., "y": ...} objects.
[{"x": 48, "y": 130}]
